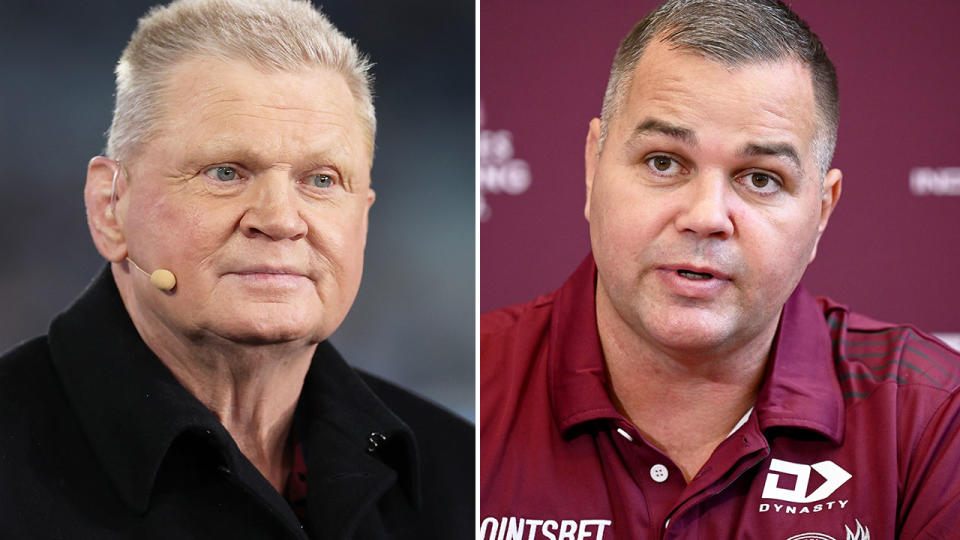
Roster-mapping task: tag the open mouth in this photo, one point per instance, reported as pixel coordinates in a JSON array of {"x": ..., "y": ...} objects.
[{"x": 689, "y": 274}]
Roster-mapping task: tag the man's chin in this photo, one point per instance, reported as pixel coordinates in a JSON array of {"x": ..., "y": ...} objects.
[
  {"x": 255, "y": 339},
  {"x": 692, "y": 343},
  {"x": 690, "y": 331},
  {"x": 268, "y": 331}
]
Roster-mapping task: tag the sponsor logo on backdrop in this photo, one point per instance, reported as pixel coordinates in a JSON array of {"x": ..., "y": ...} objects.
[
  {"x": 518, "y": 528},
  {"x": 798, "y": 499},
  {"x": 942, "y": 182},
  {"x": 500, "y": 172}
]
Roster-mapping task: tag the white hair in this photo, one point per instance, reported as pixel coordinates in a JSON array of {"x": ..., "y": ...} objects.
[{"x": 273, "y": 35}]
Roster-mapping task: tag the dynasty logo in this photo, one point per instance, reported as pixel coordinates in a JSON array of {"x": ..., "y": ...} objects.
[{"x": 779, "y": 476}]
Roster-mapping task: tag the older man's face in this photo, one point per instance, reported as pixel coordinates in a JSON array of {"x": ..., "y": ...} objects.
[
  {"x": 705, "y": 205},
  {"x": 255, "y": 193}
]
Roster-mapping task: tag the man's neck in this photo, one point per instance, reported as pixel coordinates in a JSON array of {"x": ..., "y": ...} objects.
[
  {"x": 683, "y": 402},
  {"x": 254, "y": 393},
  {"x": 252, "y": 389}
]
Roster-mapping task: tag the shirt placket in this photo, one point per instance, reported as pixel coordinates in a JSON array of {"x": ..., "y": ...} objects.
[
  {"x": 656, "y": 476},
  {"x": 670, "y": 501},
  {"x": 740, "y": 452}
]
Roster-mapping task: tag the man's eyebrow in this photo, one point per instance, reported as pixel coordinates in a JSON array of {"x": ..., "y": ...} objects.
[
  {"x": 653, "y": 125},
  {"x": 226, "y": 148},
  {"x": 778, "y": 150}
]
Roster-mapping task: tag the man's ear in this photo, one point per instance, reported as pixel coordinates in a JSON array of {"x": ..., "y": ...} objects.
[
  {"x": 591, "y": 157},
  {"x": 829, "y": 196},
  {"x": 371, "y": 196},
  {"x": 105, "y": 227}
]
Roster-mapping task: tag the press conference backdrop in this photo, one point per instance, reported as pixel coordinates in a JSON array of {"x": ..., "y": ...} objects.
[
  {"x": 413, "y": 320},
  {"x": 892, "y": 249}
]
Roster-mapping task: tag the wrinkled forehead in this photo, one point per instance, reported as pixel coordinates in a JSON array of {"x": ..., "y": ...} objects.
[
  {"x": 658, "y": 58},
  {"x": 688, "y": 88},
  {"x": 229, "y": 96}
]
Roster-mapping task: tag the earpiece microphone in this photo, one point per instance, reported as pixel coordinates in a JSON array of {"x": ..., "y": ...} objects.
[{"x": 161, "y": 278}]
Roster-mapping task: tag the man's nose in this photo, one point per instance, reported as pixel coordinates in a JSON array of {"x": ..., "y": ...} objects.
[
  {"x": 273, "y": 209},
  {"x": 705, "y": 206}
]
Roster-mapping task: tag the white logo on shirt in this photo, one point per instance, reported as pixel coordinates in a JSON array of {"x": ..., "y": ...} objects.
[
  {"x": 518, "y": 528},
  {"x": 862, "y": 533},
  {"x": 833, "y": 474}
]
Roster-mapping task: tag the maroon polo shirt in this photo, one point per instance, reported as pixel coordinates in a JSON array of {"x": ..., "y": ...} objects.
[{"x": 854, "y": 435}]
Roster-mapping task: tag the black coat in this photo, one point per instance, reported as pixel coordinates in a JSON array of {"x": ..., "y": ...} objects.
[{"x": 99, "y": 440}]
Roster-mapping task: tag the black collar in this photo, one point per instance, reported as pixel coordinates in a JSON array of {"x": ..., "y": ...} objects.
[{"x": 132, "y": 409}]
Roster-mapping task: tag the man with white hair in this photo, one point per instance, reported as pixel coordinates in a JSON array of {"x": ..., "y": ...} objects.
[
  {"x": 190, "y": 391},
  {"x": 681, "y": 383}
]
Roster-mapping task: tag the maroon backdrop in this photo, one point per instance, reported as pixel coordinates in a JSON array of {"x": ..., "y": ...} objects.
[{"x": 892, "y": 249}]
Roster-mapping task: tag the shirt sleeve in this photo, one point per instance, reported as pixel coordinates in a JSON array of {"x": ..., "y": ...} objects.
[{"x": 930, "y": 507}]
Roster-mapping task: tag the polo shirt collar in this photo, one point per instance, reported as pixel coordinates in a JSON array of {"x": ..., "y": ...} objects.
[
  {"x": 577, "y": 376},
  {"x": 132, "y": 408},
  {"x": 800, "y": 387}
]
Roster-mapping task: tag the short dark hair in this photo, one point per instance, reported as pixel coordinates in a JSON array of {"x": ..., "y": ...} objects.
[{"x": 732, "y": 33}]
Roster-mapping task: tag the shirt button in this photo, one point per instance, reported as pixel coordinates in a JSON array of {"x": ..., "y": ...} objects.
[
  {"x": 374, "y": 440},
  {"x": 659, "y": 473}
]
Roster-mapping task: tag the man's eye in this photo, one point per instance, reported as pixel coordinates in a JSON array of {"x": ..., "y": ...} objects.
[
  {"x": 760, "y": 180},
  {"x": 224, "y": 174},
  {"x": 321, "y": 181},
  {"x": 761, "y": 183},
  {"x": 663, "y": 164}
]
